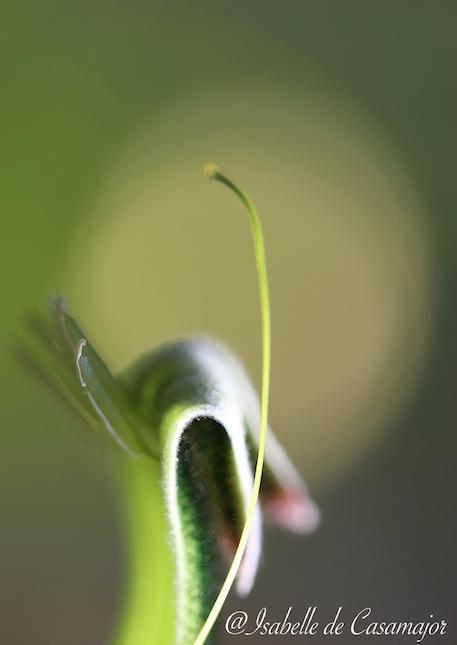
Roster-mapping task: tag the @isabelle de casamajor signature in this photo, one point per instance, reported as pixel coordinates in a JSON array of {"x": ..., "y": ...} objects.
[{"x": 306, "y": 624}]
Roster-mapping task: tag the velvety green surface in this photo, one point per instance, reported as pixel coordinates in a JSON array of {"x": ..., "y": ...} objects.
[{"x": 179, "y": 425}]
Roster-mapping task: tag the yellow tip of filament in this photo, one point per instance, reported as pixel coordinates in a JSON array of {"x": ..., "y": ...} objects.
[{"x": 210, "y": 170}]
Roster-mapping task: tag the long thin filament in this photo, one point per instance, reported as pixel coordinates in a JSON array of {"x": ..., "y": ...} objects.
[{"x": 212, "y": 172}]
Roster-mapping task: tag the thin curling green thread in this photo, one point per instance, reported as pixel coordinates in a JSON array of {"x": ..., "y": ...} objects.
[{"x": 212, "y": 172}]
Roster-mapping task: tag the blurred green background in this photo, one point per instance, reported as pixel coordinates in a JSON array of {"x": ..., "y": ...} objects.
[{"x": 339, "y": 119}]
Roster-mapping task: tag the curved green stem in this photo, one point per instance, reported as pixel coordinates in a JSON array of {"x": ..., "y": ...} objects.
[{"x": 212, "y": 172}]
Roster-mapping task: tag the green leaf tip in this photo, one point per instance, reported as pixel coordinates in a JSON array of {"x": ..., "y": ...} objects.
[{"x": 212, "y": 172}]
